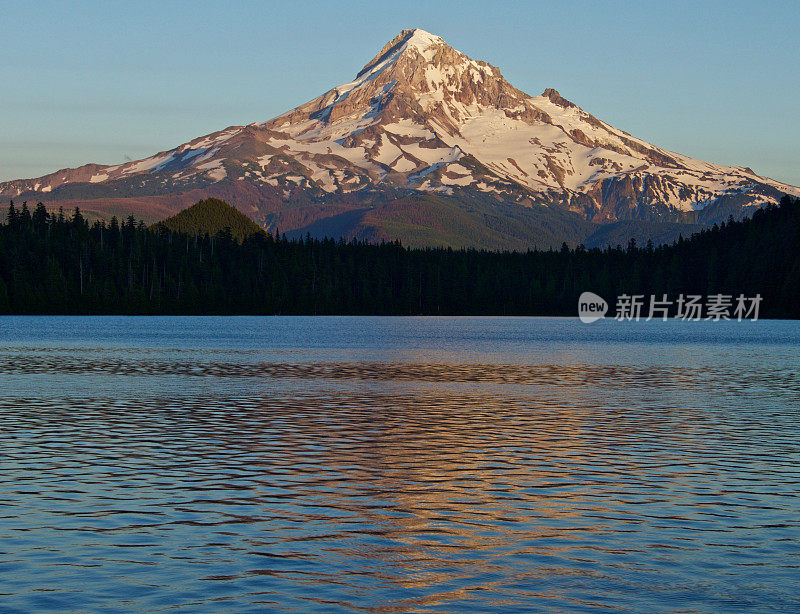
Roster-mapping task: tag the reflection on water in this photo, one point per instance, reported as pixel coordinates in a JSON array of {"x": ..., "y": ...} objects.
[
  {"x": 722, "y": 377},
  {"x": 190, "y": 478}
]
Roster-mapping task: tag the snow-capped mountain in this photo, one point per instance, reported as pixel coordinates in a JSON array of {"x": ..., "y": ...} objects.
[{"x": 421, "y": 120}]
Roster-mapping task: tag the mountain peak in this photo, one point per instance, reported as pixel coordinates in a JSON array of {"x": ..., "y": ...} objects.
[{"x": 419, "y": 40}]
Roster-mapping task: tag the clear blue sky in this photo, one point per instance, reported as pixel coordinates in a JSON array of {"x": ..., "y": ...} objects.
[{"x": 102, "y": 81}]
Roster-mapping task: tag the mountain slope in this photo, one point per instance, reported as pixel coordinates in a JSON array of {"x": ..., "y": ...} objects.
[{"x": 422, "y": 120}]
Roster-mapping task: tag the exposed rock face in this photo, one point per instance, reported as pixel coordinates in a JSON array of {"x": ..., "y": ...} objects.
[{"x": 424, "y": 119}]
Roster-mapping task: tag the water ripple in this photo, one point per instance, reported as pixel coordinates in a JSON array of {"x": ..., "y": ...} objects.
[{"x": 396, "y": 486}]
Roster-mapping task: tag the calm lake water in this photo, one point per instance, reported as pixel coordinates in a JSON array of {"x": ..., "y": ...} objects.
[{"x": 398, "y": 465}]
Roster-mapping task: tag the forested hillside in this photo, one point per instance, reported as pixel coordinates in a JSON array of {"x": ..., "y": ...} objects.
[
  {"x": 211, "y": 216},
  {"x": 51, "y": 263}
]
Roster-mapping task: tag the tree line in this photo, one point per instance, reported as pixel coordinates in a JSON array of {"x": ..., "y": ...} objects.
[{"x": 52, "y": 263}]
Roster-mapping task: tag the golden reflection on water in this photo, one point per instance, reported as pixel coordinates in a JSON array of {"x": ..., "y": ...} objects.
[
  {"x": 425, "y": 473},
  {"x": 444, "y": 481},
  {"x": 401, "y": 486}
]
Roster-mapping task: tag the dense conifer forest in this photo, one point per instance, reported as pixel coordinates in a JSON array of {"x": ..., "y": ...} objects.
[{"x": 53, "y": 263}]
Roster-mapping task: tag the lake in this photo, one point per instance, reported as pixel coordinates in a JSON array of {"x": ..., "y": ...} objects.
[{"x": 250, "y": 464}]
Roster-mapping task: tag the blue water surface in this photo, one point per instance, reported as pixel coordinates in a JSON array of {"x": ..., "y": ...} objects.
[{"x": 249, "y": 464}]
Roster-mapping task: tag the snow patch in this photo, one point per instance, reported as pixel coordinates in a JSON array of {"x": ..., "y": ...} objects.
[
  {"x": 433, "y": 156},
  {"x": 424, "y": 42},
  {"x": 388, "y": 152},
  {"x": 407, "y": 127},
  {"x": 404, "y": 165},
  {"x": 214, "y": 170}
]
